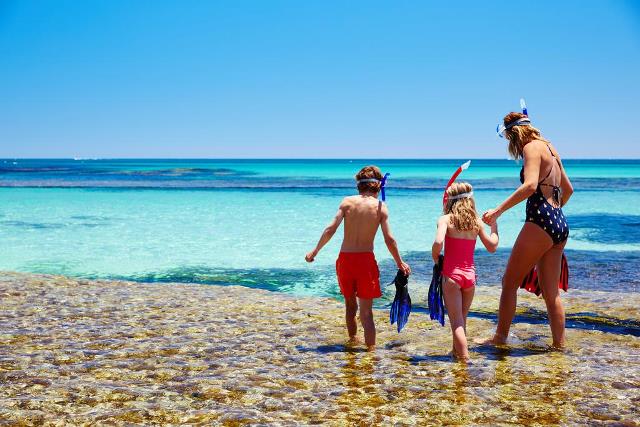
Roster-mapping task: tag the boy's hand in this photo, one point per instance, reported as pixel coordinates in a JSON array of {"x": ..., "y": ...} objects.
[
  {"x": 404, "y": 267},
  {"x": 310, "y": 256}
]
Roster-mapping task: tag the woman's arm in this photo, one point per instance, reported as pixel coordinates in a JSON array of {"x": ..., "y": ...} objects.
[
  {"x": 532, "y": 160},
  {"x": 489, "y": 241},
  {"x": 438, "y": 242}
]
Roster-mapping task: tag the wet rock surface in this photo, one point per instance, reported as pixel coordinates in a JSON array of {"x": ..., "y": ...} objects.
[{"x": 120, "y": 353}]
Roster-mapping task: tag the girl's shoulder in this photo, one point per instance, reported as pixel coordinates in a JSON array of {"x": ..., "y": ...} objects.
[{"x": 446, "y": 218}]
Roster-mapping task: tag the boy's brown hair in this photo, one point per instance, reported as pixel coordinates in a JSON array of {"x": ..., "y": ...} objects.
[{"x": 369, "y": 172}]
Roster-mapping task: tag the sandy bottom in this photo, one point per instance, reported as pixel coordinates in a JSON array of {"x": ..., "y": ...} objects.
[{"x": 78, "y": 352}]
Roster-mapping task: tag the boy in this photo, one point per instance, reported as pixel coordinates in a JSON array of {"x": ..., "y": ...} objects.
[{"x": 356, "y": 267}]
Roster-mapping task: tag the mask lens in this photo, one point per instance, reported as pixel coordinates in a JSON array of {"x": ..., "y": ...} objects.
[{"x": 500, "y": 130}]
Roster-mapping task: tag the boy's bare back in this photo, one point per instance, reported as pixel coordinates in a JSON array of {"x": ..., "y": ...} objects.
[{"x": 362, "y": 217}]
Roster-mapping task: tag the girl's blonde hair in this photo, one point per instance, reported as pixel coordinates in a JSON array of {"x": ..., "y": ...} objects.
[
  {"x": 519, "y": 136},
  {"x": 463, "y": 211}
]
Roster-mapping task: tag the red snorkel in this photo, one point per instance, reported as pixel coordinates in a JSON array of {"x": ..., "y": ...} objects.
[{"x": 462, "y": 167}]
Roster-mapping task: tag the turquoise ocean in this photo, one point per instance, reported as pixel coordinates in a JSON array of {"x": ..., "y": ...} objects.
[{"x": 250, "y": 222}]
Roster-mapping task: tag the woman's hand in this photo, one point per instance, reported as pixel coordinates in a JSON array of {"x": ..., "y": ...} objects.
[{"x": 491, "y": 216}]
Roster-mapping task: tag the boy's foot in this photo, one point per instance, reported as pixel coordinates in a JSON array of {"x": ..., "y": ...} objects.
[
  {"x": 371, "y": 348},
  {"x": 353, "y": 341}
]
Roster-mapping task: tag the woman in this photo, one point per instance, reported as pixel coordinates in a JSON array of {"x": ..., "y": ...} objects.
[{"x": 546, "y": 187}]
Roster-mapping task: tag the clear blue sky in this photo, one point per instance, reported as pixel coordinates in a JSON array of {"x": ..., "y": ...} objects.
[{"x": 315, "y": 78}]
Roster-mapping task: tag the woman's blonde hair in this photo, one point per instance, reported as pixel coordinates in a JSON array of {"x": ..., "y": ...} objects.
[
  {"x": 463, "y": 211},
  {"x": 519, "y": 136}
]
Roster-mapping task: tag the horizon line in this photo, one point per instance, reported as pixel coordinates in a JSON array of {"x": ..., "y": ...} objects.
[{"x": 296, "y": 158}]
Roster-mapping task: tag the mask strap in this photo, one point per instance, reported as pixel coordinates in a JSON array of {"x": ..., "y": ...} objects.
[
  {"x": 382, "y": 182},
  {"x": 461, "y": 196}
]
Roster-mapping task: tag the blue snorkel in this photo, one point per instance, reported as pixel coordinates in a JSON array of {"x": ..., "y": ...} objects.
[
  {"x": 382, "y": 184},
  {"x": 523, "y": 106}
]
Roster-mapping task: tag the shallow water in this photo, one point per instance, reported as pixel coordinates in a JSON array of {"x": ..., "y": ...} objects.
[{"x": 113, "y": 352}]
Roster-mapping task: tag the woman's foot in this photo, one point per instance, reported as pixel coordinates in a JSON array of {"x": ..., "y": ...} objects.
[{"x": 497, "y": 339}]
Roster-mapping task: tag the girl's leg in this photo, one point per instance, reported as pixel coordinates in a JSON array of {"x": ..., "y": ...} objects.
[
  {"x": 453, "y": 302},
  {"x": 531, "y": 244},
  {"x": 467, "y": 298},
  {"x": 549, "y": 268}
]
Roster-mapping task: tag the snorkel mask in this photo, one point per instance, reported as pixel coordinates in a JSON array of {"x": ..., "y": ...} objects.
[
  {"x": 445, "y": 197},
  {"x": 382, "y": 182},
  {"x": 520, "y": 122}
]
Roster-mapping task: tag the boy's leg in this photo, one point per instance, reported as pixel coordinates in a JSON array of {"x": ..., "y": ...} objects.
[
  {"x": 453, "y": 302},
  {"x": 351, "y": 309},
  {"x": 366, "y": 317}
]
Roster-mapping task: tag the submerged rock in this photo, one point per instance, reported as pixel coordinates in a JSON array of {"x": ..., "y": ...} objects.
[{"x": 76, "y": 352}]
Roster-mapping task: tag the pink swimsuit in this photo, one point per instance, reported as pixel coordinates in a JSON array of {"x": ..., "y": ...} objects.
[{"x": 458, "y": 261}]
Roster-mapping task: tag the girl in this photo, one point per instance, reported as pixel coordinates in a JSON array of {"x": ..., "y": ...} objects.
[{"x": 458, "y": 230}]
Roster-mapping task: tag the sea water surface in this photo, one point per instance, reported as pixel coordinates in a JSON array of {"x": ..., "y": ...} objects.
[{"x": 250, "y": 222}]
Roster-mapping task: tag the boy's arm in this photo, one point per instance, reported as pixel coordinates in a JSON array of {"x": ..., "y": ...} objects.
[
  {"x": 390, "y": 241},
  {"x": 328, "y": 233},
  {"x": 438, "y": 242},
  {"x": 489, "y": 241}
]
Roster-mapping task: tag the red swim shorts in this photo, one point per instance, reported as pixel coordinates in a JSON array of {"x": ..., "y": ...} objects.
[{"x": 358, "y": 273}]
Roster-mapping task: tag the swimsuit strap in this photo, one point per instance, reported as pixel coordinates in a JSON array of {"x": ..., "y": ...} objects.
[
  {"x": 557, "y": 194},
  {"x": 550, "y": 170}
]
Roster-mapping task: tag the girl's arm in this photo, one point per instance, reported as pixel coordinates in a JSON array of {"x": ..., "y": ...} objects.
[
  {"x": 532, "y": 160},
  {"x": 490, "y": 241},
  {"x": 438, "y": 242}
]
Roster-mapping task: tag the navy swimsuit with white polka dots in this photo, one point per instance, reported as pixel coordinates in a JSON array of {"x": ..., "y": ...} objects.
[{"x": 543, "y": 214}]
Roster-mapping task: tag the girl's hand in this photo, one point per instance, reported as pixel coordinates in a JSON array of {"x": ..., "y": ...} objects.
[{"x": 491, "y": 216}]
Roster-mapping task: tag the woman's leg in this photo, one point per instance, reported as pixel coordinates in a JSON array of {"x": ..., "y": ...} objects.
[
  {"x": 453, "y": 302},
  {"x": 531, "y": 244},
  {"x": 549, "y": 268}
]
